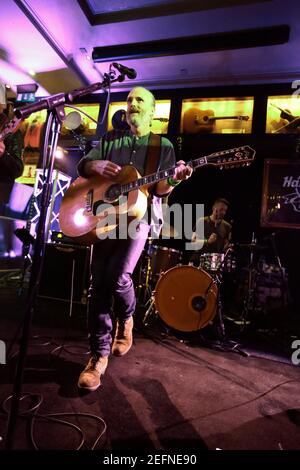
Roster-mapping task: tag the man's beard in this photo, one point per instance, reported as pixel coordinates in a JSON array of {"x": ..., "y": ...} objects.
[{"x": 135, "y": 120}]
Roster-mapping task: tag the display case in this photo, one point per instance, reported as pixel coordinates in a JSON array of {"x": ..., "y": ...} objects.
[
  {"x": 88, "y": 126},
  {"x": 283, "y": 115},
  {"x": 32, "y": 130},
  {"x": 217, "y": 115}
]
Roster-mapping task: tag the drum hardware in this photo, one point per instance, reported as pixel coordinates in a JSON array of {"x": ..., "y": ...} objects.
[
  {"x": 155, "y": 260},
  {"x": 218, "y": 279},
  {"x": 264, "y": 281},
  {"x": 143, "y": 289},
  {"x": 223, "y": 343},
  {"x": 250, "y": 302},
  {"x": 285, "y": 298},
  {"x": 150, "y": 310}
]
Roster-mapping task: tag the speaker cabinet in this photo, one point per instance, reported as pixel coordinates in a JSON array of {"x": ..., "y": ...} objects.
[{"x": 66, "y": 272}]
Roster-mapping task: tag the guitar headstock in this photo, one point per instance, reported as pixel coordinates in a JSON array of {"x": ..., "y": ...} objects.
[
  {"x": 235, "y": 157},
  {"x": 10, "y": 127}
]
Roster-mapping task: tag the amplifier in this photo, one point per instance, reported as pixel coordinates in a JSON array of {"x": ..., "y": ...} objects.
[{"x": 66, "y": 272}]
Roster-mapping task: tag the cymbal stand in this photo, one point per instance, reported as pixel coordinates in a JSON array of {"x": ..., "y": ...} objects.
[
  {"x": 285, "y": 295},
  {"x": 144, "y": 290},
  {"x": 151, "y": 308},
  {"x": 223, "y": 342},
  {"x": 249, "y": 302},
  {"x": 144, "y": 293}
]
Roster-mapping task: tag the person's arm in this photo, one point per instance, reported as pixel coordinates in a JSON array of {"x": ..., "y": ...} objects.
[
  {"x": 95, "y": 163},
  {"x": 227, "y": 240},
  {"x": 101, "y": 167},
  {"x": 204, "y": 241}
]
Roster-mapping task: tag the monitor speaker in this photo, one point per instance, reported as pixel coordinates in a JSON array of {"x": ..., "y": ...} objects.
[{"x": 66, "y": 272}]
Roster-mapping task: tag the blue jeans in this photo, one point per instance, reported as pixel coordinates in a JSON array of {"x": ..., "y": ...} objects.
[{"x": 112, "y": 287}]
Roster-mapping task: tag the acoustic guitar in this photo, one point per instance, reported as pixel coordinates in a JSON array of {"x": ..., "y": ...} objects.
[
  {"x": 196, "y": 121},
  {"x": 88, "y": 204},
  {"x": 293, "y": 122}
]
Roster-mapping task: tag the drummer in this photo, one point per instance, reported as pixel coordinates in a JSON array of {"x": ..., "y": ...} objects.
[{"x": 217, "y": 231}]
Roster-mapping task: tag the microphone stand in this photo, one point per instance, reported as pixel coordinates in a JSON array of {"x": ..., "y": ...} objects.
[{"x": 55, "y": 107}]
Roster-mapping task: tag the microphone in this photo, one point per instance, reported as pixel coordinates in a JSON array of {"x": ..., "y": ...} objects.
[{"x": 130, "y": 73}]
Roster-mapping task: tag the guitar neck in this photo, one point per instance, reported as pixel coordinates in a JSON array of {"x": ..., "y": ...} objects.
[
  {"x": 149, "y": 179},
  {"x": 231, "y": 157},
  {"x": 239, "y": 118},
  {"x": 159, "y": 176}
]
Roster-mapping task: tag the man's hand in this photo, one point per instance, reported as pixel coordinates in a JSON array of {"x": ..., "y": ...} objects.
[
  {"x": 2, "y": 148},
  {"x": 102, "y": 167},
  {"x": 212, "y": 238},
  {"x": 182, "y": 171}
]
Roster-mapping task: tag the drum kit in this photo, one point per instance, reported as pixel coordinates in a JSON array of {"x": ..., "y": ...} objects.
[
  {"x": 185, "y": 297},
  {"x": 188, "y": 298}
]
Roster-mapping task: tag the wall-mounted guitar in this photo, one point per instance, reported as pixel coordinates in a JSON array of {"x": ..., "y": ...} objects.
[
  {"x": 196, "y": 121},
  {"x": 293, "y": 122},
  {"x": 88, "y": 203}
]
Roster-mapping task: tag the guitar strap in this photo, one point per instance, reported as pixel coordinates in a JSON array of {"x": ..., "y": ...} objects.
[{"x": 153, "y": 154}]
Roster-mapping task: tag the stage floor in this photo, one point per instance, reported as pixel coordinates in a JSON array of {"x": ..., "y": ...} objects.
[{"x": 170, "y": 392}]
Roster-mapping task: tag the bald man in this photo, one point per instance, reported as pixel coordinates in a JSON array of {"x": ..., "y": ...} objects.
[{"x": 114, "y": 260}]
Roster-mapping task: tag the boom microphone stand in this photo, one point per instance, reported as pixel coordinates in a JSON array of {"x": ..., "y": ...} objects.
[{"x": 55, "y": 106}]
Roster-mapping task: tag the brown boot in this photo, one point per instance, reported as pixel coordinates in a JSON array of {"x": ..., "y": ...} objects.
[
  {"x": 89, "y": 378},
  {"x": 123, "y": 337}
]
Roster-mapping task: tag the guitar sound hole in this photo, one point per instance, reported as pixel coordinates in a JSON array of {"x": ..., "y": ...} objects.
[{"x": 113, "y": 193}]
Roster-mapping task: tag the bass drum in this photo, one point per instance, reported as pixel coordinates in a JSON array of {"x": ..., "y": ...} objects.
[{"x": 185, "y": 298}]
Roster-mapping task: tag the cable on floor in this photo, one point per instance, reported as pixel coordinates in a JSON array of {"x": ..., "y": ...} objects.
[{"x": 33, "y": 414}]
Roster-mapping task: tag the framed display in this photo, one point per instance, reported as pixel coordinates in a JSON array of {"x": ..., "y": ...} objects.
[
  {"x": 32, "y": 128},
  {"x": 217, "y": 115},
  {"x": 283, "y": 115},
  {"x": 28, "y": 175},
  {"x": 32, "y": 131},
  {"x": 117, "y": 116},
  {"x": 87, "y": 126},
  {"x": 281, "y": 194}
]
